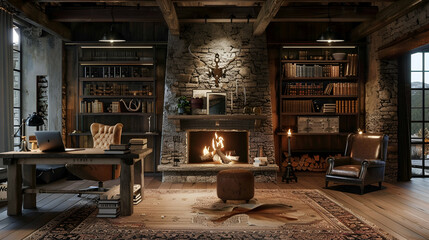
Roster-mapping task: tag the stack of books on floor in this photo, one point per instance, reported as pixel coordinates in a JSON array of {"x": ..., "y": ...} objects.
[
  {"x": 137, "y": 197},
  {"x": 137, "y": 144},
  {"x": 329, "y": 108},
  {"x": 109, "y": 208},
  {"x": 118, "y": 149},
  {"x": 109, "y": 203}
]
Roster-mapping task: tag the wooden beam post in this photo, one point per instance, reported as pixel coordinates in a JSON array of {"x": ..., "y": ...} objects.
[
  {"x": 170, "y": 16},
  {"x": 267, "y": 13},
  {"x": 384, "y": 17},
  {"x": 29, "y": 12}
]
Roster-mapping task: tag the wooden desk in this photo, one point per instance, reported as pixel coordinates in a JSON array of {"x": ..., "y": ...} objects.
[{"x": 21, "y": 170}]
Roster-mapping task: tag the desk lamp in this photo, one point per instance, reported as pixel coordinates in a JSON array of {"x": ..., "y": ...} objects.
[{"x": 34, "y": 120}]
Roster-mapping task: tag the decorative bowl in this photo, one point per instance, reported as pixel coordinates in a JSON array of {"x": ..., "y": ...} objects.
[{"x": 339, "y": 56}]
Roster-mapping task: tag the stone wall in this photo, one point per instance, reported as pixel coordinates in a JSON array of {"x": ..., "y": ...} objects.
[
  {"x": 42, "y": 57},
  {"x": 246, "y": 78},
  {"x": 382, "y": 83}
]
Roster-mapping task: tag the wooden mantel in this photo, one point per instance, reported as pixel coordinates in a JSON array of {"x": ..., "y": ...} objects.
[{"x": 232, "y": 121}]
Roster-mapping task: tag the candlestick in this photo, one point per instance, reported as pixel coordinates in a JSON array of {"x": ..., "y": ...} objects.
[{"x": 289, "y": 136}]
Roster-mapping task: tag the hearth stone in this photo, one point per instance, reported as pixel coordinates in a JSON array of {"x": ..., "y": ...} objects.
[{"x": 207, "y": 172}]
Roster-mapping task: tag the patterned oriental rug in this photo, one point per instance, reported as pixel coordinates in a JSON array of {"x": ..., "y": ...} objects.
[{"x": 199, "y": 214}]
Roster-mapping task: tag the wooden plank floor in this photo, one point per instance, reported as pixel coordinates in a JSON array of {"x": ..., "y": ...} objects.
[{"x": 402, "y": 209}]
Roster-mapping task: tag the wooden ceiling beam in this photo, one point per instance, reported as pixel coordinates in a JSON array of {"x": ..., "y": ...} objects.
[
  {"x": 30, "y": 13},
  {"x": 210, "y": 14},
  {"x": 170, "y": 16},
  {"x": 385, "y": 17},
  {"x": 121, "y": 14},
  {"x": 266, "y": 14}
]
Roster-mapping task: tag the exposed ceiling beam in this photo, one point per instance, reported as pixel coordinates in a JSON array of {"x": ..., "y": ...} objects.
[
  {"x": 211, "y": 14},
  {"x": 384, "y": 17},
  {"x": 266, "y": 14},
  {"x": 170, "y": 16},
  {"x": 30, "y": 13},
  {"x": 121, "y": 14},
  {"x": 325, "y": 14}
]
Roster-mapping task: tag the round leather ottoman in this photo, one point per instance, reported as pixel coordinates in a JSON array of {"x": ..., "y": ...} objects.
[{"x": 235, "y": 184}]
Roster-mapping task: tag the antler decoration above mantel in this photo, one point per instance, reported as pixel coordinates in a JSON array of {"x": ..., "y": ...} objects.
[{"x": 215, "y": 71}]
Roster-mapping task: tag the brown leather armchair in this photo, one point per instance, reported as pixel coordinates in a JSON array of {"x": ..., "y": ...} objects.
[
  {"x": 102, "y": 136},
  {"x": 363, "y": 162}
]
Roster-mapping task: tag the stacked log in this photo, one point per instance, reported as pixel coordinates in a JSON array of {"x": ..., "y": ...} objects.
[{"x": 305, "y": 162}]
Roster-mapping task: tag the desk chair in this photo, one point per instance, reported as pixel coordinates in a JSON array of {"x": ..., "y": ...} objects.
[{"x": 102, "y": 136}]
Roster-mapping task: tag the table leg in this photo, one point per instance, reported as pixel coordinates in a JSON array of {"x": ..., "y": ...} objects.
[
  {"x": 139, "y": 174},
  {"x": 14, "y": 189},
  {"x": 29, "y": 179},
  {"x": 126, "y": 188}
]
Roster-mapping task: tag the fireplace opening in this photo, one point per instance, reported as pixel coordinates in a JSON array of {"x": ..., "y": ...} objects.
[{"x": 221, "y": 147}]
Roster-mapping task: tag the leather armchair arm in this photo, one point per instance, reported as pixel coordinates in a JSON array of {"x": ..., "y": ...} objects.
[
  {"x": 375, "y": 163},
  {"x": 337, "y": 161}
]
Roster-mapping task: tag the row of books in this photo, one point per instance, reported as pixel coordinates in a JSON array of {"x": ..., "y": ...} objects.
[
  {"x": 304, "y": 89},
  {"x": 352, "y": 65},
  {"x": 342, "y": 89},
  {"x": 297, "y": 106},
  {"x": 91, "y": 107},
  {"x": 98, "y": 107},
  {"x": 292, "y": 70},
  {"x": 346, "y": 106}
]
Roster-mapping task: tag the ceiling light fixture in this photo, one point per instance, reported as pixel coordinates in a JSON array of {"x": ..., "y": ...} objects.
[
  {"x": 329, "y": 36},
  {"x": 112, "y": 36}
]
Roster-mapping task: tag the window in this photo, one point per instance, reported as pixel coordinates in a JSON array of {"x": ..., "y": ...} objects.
[
  {"x": 419, "y": 77},
  {"x": 17, "y": 113}
]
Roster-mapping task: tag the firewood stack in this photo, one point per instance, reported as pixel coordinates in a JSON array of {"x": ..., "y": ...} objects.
[{"x": 307, "y": 163}]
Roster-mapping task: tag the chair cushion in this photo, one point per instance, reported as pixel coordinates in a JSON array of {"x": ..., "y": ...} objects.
[{"x": 346, "y": 171}]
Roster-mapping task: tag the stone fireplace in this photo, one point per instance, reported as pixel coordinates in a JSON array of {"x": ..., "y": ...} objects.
[{"x": 247, "y": 119}]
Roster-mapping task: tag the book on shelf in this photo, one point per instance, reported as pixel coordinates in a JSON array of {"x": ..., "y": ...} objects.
[
  {"x": 303, "y": 89},
  {"x": 293, "y": 70},
  {"x": 108, "y": 151},
  {"x": 346, "y": 106},
  {"x": 352, "y": 65},
  {"x": 120, "y": 147},
  {"x": 297, "y": 106}
]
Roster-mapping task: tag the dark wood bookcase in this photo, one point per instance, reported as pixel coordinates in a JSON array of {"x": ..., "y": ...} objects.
[
  {"x": 313, "y": 86},
  {"x": 109, "y": 78}
]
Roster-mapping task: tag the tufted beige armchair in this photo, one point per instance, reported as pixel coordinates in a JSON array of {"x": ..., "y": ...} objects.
[{"x": 102, "y": 136}]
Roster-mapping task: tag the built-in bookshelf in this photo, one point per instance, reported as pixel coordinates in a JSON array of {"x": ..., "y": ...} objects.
[
  {"x": 117, "y": 85},
  {"x": 320, "y": 101}
]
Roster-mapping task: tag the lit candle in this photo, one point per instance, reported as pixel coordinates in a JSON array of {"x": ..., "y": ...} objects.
[
  {"x": 360, "y": 131},
  {"x": 289, "y": 136}
]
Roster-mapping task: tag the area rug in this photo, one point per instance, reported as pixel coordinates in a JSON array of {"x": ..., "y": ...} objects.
[{"x": 199, "y": 214}]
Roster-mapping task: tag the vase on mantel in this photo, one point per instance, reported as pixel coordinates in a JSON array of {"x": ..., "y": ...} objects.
[{"x": 180, "y": 110}]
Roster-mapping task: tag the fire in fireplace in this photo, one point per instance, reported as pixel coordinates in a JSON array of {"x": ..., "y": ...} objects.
[{"x": 221, "y": 147}]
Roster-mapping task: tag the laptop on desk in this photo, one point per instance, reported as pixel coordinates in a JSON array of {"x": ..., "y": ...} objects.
[{"x": 51, "y": 141}]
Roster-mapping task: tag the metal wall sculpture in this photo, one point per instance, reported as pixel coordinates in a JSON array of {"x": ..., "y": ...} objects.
[{"x": 215, "y": 71}]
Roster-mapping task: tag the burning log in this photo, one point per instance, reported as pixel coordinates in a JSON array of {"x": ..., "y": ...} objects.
[
  {"x": 222, "y": 156},
  {"x": 206, "y": 158}
]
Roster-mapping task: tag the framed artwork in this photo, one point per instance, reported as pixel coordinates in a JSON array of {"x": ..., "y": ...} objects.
[{"x": 216, "y": 103}]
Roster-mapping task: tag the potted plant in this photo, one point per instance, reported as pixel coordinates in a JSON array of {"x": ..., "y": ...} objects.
[{"x": 182, "y": 104}]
